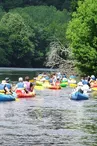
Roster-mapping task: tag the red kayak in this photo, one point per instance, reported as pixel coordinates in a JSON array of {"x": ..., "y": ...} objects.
[
  {"x": 94, "y": 85},
  {"x": 22, "y": 94},
  {"x": 54, "y": 87}
]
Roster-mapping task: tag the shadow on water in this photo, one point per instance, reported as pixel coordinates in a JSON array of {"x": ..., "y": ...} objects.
[{"x": 49, "y": 119}]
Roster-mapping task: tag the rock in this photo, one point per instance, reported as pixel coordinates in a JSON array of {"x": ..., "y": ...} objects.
[{"x": 67, "y": 67}]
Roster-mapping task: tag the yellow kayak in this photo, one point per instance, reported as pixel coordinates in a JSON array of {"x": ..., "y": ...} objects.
[
  {"x": 39, "y": 83},
  {"x": 46, "y": 85},
  {"x": 32, "y": 80},
  {"x": 94, "y": 88},
  {"x": 73, "y": 85},
  {"x": 38, "y": 87}
]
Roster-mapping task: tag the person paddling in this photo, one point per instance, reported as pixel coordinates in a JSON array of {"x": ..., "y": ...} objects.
[
  {"x": 29, "y": 86},
  {"x": 3, "y": 88},
  {"x": 20, "y": 85},
  {"x": 8, "y": 85}
]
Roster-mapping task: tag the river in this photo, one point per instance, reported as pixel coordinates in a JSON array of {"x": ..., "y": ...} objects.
[{"x": 49, "y": 119}]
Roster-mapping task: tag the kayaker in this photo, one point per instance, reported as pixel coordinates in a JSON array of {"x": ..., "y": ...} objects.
[
  {"x": 57, "y": 83},
  {"x": 59, "y": 76},
  {"x": 92, "y": 80},
  {"x": 84, "y": 81},
  {"x": 86, "y": 89},
  {"x": 8, "y": 85},
  {"x": 64, "y": 76},
  {"x": 79, "y": 88},
  {"x": 3, "y": 87},
  {"x": 72, "y": 76},
  {"x": 54, "y": 79},
  {"x": 28, "y": 85},
  {"x": 20, "y": 85}
]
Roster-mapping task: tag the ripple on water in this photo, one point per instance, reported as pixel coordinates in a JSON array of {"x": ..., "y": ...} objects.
[{"x": 49, "y": 119}]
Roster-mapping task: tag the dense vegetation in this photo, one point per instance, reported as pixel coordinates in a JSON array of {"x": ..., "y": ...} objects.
[
  {"x": 70, "y": 5},
  {"x": 32, "y": 33},
  {"x": 28, "y": 28},
  {"x": 26, "y": 34},
  {"x": 82, "y": 33}
]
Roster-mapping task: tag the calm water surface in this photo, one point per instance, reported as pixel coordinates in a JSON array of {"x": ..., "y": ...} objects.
[
  {"x": 15, "y": 73},
  {"x": 49, "y": 119}
]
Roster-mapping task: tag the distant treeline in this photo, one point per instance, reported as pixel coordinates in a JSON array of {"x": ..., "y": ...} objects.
[
  {"x": 33, "y": 30},
  {"x": 28, "y": 27},
  {"x": 26, "y": 34},
  {"x": 70, "y": 5}
]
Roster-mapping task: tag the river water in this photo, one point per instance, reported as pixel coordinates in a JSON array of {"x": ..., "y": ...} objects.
[{"x": 49, "y": 119}]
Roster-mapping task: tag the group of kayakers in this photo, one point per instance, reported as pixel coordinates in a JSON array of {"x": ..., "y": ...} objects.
[
  {"x": 52, "y": 78},
  {"x": 23, "y": 85},
  {"x": 86, "y": 84},
  {"x": 55, "y": 79},
  {"x": 27, "y": 86}
]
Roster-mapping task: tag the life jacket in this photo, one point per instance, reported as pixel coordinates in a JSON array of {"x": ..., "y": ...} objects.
[
  {"x": 8, "y": 85},
  {"x": 20, "y": 85},
  {"x": 47, "y": 78},
  {"x": 27, "y": 85},
  {"x": 51, "y": 80},
  {"x": 84, "y": 82},
  {"x": 2, "y": 86}
]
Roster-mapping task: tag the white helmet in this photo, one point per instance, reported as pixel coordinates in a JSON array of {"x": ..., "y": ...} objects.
[
  {"x": 92, "y": 76},
  {"x": 20, "y": 79}
]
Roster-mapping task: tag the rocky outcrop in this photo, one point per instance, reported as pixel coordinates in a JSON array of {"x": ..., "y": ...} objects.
[
  {"x": 60, "y": 57},
  {"x": 67, "y": 67}
]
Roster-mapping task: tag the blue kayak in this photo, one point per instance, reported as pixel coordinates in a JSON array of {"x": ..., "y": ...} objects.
[
  {"x": 7, "y": 97},
  {"x": 79, "y": 96}
]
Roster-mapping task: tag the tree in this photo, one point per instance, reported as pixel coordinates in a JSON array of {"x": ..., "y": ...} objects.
[
  {"x": 48, "y": 24},
  {"x": 82, "y": 34},
  {"x": 2, "y": 12},
  {"x": 59, "y": 4},
  {"x": 4, "y": 45},
  {"x": 10, "y": 4},
  {"x": 18, "y": 49}
]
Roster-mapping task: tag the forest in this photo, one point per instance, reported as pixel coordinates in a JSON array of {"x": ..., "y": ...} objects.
[{"x": 39, "y": 33}]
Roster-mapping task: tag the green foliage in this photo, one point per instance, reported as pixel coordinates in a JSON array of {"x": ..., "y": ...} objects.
[
  {"x": 17, "y": 45},
  {"x": 59, "y": 4},
  {"x": 10, "y": 4},
  {"x": 4, "y": 45},
  {"x": 82, "y": 34},
  {"x": 2, "y": 12},
  {"x": 48, "y": 25}
]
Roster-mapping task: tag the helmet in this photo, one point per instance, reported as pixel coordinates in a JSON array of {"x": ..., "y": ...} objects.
[
  {"x": 7, "y": 79},
  {"x": 20, "y": 79},
  {"x": 93, "y": 77}
]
